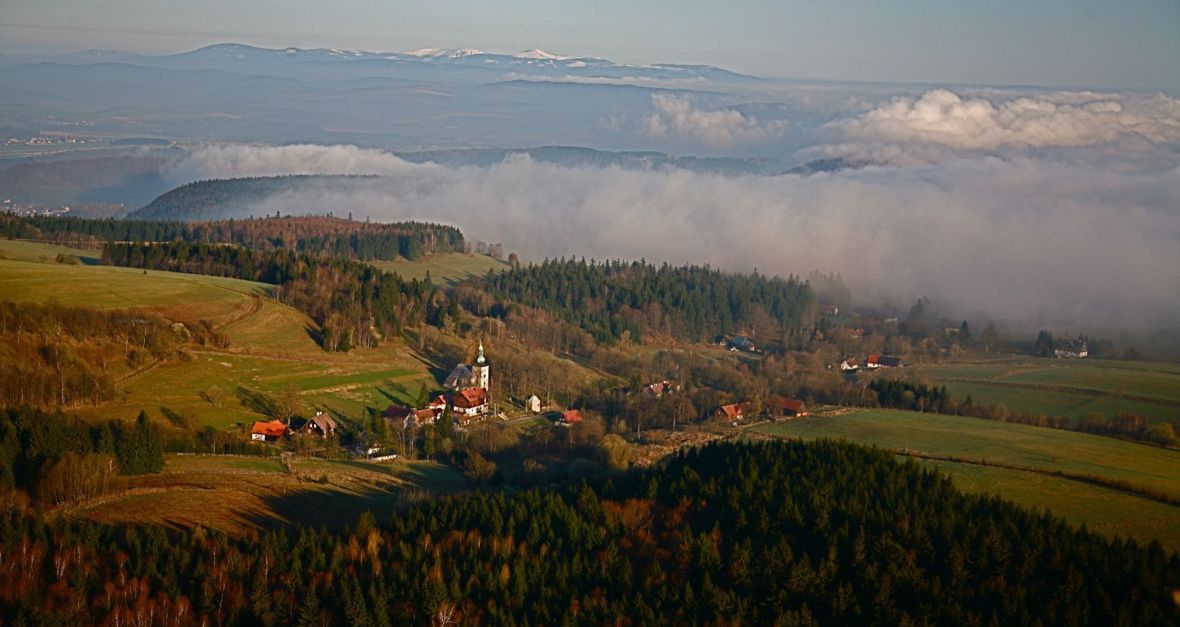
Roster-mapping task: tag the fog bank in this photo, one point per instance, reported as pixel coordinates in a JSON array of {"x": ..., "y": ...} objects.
[{"x": 1012, "y": 238}]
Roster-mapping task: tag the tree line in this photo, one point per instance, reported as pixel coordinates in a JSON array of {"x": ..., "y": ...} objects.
[
  {"x": 354, "y": 303},
  {"x": 614, "y": 300},
  {"x": 52, "y": 354},
  {"x": 784, "y": 533},
  {"x": 60, "y": 458},
  {"x": 319, "y": 235}
]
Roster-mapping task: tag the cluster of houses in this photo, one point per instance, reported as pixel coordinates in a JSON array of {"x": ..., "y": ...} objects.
[
  {"x": 468, "y": 399},
  {"x": 776, "y": 407},
  {"x": 320, "y": 425},
  {"x": 873, "y": 362}
]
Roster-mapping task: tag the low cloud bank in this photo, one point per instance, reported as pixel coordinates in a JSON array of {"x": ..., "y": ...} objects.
[
  {"x": 219, "y": 161},
  {"x": 678, "y": 116},
  {"x": 1023, "y": 238},
  {"x": 944, "y": 118}
]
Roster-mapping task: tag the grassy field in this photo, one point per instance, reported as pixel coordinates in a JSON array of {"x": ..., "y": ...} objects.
[
  {"x": 25, "y": 278},
  {"x": 1026, "y": 447},
  {"x": 272, "y": 346},
  {"x": 1109, "y": 512},
  {"x": 443, "y": 268},
  {"x": 271, "y": 352},
  {"x": 244, "y": 494},
  {"x": 1063, "y": 387}
]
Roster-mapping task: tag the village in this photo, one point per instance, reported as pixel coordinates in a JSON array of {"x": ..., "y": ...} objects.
[{"x": 468, "y": 402}]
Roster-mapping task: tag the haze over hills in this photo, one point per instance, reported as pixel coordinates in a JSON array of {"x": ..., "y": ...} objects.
[
  {"x": 366, "y": 331},
  {"x": 841, "y": 171}
]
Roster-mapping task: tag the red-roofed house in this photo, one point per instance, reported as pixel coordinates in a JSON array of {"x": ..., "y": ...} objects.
[
  {"x": 268, "y": 431},
  {"x": 782, "y": 406},
  {"x": 470, "y": 402},
  {"x": 734, "y": 411},
  {"x": 569, "y": 417},
  {"x": 883, "y": 361}
]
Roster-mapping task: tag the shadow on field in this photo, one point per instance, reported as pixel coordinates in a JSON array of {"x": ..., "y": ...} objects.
[
  {"x": 315, "y": 335},
  {"x": 327, "y": 507},
  {"x": 257, "y": 401}
]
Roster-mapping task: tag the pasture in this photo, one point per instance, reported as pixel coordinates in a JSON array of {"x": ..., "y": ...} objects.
[
  {"x": 1023, "y": 447},
  {"x": 1106, "y": 511},
  {"x": 25, "y": 278},
  {"x": 272, "y": 346},
  {"x": 444, "y": 267},
  {"x": 1061, "y": 387},
  {"x": 246, "y": 494}
]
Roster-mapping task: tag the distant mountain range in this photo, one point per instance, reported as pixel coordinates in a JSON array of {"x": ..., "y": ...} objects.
[
  {"x": 463, "y": 62},
  {"x": 420, "y": 100}
]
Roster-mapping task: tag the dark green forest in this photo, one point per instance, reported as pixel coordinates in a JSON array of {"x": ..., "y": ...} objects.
[
  {"x": 616, "y": 299},
  {"x": 321, "y": 235},
  {"x": 214, "y": 198},
  {"x": 782, "y": 533}
]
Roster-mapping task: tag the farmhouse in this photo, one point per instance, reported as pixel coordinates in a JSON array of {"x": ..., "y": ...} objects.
[
  {"x": 733, "y": 411},
  {"x": 882, "y": 361},
  {"x": 782, "y": 406},
  {"x": 410, "y": 417},
  {"x": 740, "y": 343},
  {"x": 268, "y": 431},
  {"x": 830, "y": 310},
  {"x": 397, "y": 412},
  {"x": 532, "y": 404},
  {"x": 321, "y": 424},
  {"x": 851, "y": 364},
  {"x": 1071, "y": 349},
  {"x": 469, "y": 403},
  {"x": 660, "y": 388}
]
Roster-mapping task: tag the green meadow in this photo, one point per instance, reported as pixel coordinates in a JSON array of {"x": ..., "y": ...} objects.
[
  {"x": 272, "y": 347},
  {"x": 1024, "y": 447},
  {"x": 1062, "y": 387},
  {"x": 443, "y": 268}
]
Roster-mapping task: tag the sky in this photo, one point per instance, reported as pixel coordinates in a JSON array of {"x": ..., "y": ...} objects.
[{"x": 1062, "y": 43}]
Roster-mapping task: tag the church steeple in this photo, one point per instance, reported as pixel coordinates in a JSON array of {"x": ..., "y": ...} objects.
[{"x": 481, "y": 373}]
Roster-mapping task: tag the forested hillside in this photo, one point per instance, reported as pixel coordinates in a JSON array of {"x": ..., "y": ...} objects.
[
  {"x": 220, "y": 198},
  {"x": 321, "y": 235},
  {"x": 54, "y": 355},
  {"x": 774, "y": 533},
  {"x": 617, "y": 299},
  {"x": 354, "y": 303}
]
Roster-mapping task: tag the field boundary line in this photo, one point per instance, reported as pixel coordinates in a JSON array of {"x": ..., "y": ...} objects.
[
  {"x": 1112, "y": 484},
  {"x": 1154, "y": 400}
]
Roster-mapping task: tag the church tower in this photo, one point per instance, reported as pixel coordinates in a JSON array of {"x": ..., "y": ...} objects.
[{"x": 481, "y": 371}]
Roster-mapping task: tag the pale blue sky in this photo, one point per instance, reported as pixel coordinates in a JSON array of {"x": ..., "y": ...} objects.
[{"x": 1133, "y": 43}]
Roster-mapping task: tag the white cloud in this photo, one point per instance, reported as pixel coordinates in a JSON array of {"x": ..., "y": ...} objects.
[
  {"x": 720, "y": 128},
  {"x": 1067, "y": 119},
  {"x": 1026, "y": 237},
  {"x": 233, "y": 160}
]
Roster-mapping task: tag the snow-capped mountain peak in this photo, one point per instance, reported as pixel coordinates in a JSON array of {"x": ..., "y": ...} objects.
[
  {"x": 448, "y": 53},
  {"x": 541, "y": 55}
]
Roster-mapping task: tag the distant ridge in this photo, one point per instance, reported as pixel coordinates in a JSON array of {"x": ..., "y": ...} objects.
[{"x": 236, "y": 197}]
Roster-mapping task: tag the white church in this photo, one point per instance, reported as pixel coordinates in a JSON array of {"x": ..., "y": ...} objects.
[
  {"x": 467, "y": 376},
  {"x": 470, "y": 382}
]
